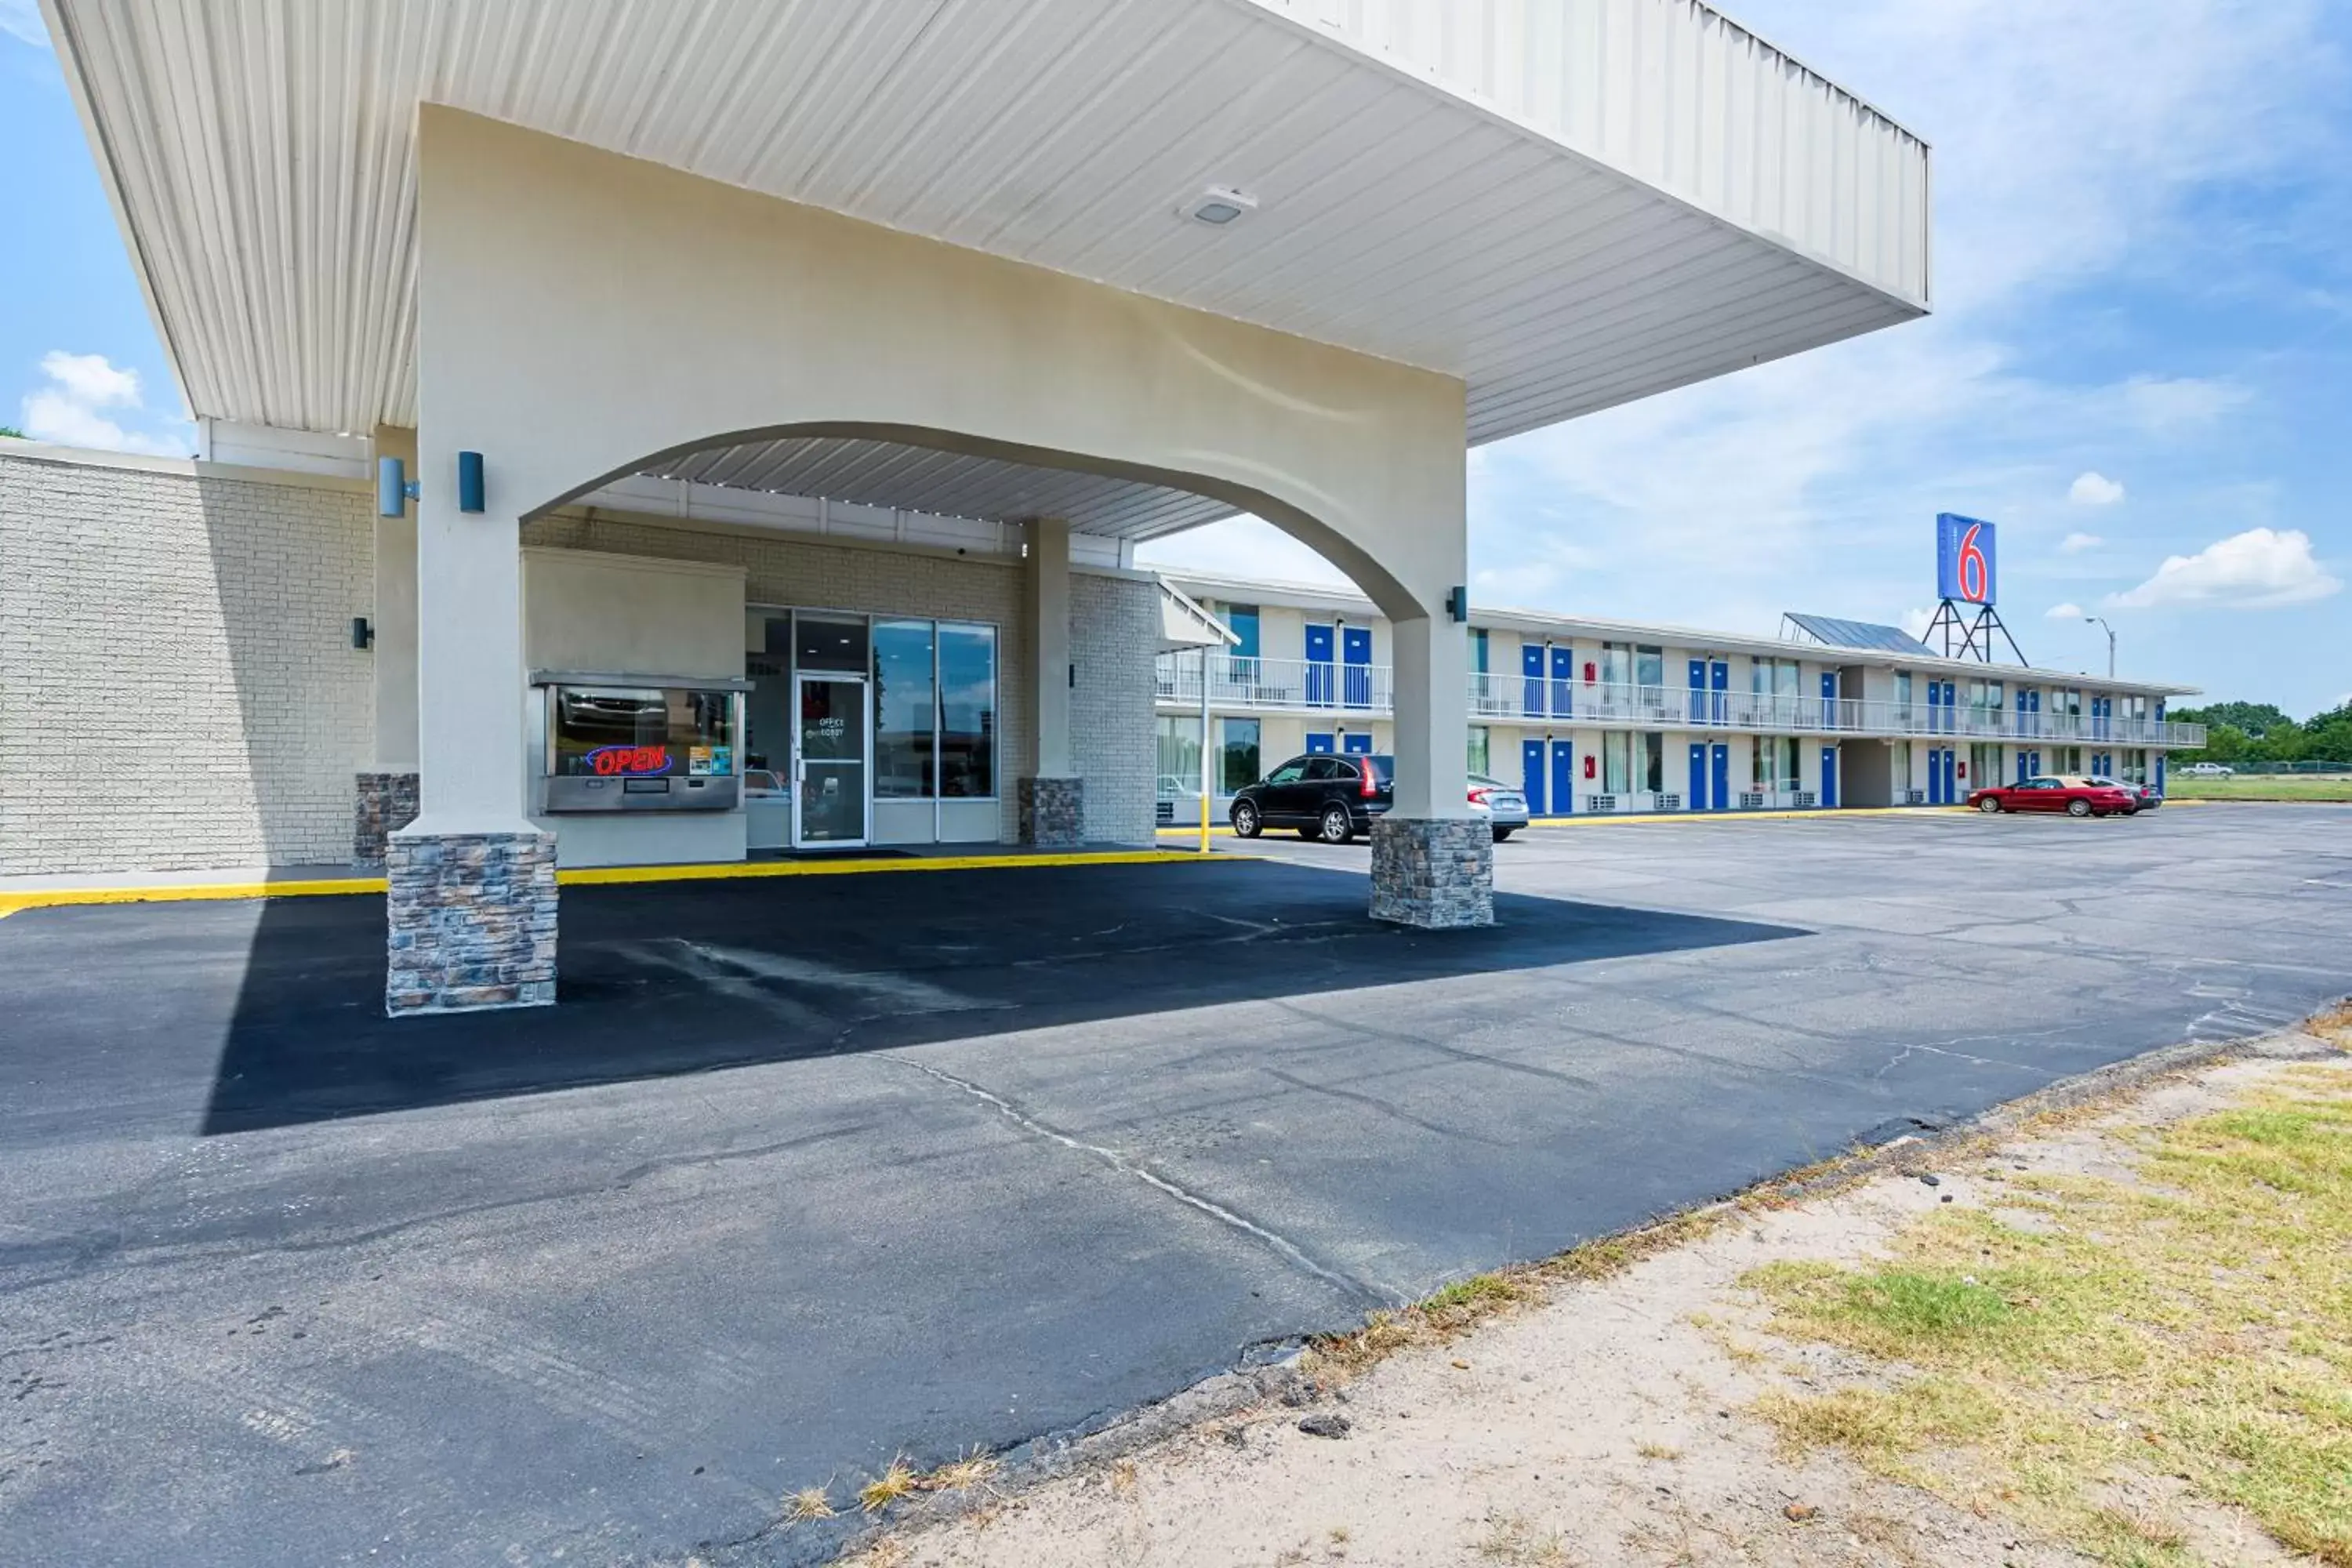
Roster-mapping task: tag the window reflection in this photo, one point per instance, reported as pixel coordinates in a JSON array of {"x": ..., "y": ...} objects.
[
  {"x": 905, "y": 742},
  {"x": 967, "y": 712}
]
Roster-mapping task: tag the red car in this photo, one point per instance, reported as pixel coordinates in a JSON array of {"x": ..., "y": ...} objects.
[{"x": 2075, "y": 796}]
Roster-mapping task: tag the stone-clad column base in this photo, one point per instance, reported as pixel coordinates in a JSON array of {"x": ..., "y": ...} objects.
[
  {"x": 387, "y": 804},
  {"x": 471, "y": 921},
  {"x": 1053, "y": 813},
  {"x": 1436, "y": 874}
]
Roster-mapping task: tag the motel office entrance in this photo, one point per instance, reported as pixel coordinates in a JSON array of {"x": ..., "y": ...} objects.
[{"x": 870, "y": 729}]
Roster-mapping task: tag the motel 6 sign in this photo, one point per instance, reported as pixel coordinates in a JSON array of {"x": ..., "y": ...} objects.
[{"x": 1964, "y": 559}]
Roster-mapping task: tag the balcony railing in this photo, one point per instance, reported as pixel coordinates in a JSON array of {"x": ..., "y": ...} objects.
[
  {"x": 1278, "y": 683},
  {"x": 1260, "y": 684}
]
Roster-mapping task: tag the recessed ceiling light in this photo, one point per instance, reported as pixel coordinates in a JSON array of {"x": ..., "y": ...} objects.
[{"x": 1219, "y": 206}]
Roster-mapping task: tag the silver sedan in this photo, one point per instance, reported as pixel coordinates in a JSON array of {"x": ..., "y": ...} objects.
[{"x": 1505, "y": 808}]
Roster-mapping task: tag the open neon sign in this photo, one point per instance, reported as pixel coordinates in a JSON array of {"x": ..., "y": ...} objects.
[{"x": 630, "y": 762}]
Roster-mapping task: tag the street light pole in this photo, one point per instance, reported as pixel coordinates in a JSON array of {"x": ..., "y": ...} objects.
[{"x": 2101, "y": 621}]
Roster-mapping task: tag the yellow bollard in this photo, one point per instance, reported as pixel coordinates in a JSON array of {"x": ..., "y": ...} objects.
[{"x": 1205, "y": 824}]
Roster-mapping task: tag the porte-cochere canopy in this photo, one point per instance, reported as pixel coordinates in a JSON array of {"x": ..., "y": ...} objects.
[{"x": 1566, "y": 204}]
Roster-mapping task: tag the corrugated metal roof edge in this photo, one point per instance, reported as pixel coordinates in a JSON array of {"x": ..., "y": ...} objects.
[{"x": 1308, "y": 595}]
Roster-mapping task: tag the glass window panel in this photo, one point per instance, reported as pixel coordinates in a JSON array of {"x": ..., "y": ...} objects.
[
  {"x": 1481, "y": 741},
  {"x": 767, "y": 740},
  {"x": 644, "y": 733},
  {"x": 1179, "y": 757},
  {"x": 1649, "y": 666},
  {"x": 1616, "y": 769},
  {"x": 967, "y": 712},
  {"x": 1239, "y": 754},
  {"x": 830, "y": 642},
  {"x": 1478, "y": 650},
  {"x": 906, "y": 731},
  {"x": 1653, "y": 763},
  {"x": 1242, "y": 619}
]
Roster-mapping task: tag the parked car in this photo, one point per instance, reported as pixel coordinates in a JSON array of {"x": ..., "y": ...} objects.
[
  {"x": 2075, "y": 796},
  {"x": 1327, "y": 797},
  {"x": 1505, "y": 809},
  {"x": 2144, "y": 797},
  {"x": 2211, "y": 770}
]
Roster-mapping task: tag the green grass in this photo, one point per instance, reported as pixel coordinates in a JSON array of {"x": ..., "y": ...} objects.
[
  {"x": 2083, "y": 1334},
  {"x": 2270, "y": 786}
]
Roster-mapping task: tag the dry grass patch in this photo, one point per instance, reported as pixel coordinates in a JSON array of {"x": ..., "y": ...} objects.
[
  {"x": 2195, "y": 1324},
  {"x": 808, "y": 1504},
  {"x": 1516, "y": 1541},
  {"x": 899, "y": 1480},
  {"x": 1462, "y": 1305},
  {"x": 974, "y": 1468}
]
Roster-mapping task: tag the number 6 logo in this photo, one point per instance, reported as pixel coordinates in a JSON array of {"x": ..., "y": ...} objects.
[{"x": 1973, "y": 570}]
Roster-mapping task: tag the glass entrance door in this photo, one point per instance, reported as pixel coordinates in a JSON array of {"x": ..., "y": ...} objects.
[{"x": 830, "y": 762}]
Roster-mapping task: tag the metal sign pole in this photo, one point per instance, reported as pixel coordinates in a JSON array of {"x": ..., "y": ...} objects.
[{"x": 1205, "y": 749}]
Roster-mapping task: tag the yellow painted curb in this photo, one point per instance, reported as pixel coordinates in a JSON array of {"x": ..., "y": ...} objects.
[
  {"x": 174, "y": 893},
  {"x": 602, "y": 876}
]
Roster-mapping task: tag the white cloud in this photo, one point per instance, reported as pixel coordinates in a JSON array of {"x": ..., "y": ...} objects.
[
  {"x": 71, "y": 409},
  {"x": 1916, "y": 622},
  {"x": 2062, "y": 613},
  {"x": 2254, "y": 570},
  {"x": 2075, "y": 543},
  {"x": 2091, "y": 488},
  {"x": 92, "y": 379},
  {"x": 21, "y": 20}
]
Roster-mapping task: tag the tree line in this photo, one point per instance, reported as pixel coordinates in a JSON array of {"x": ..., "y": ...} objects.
[{"x": 2260, "y": 732}]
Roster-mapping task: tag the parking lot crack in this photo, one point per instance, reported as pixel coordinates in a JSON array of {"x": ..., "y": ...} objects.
[{"x": 1290, "y": 1251}]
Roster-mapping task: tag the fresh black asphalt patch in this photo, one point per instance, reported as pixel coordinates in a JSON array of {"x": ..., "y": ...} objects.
[{"x": 805, "y": 1172}]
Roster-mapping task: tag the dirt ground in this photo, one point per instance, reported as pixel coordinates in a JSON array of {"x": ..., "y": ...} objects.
[{"x": 1606, "y": 1423}]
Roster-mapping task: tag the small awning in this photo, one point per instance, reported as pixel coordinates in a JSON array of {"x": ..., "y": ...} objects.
[{"x": 1185, "y": 623}]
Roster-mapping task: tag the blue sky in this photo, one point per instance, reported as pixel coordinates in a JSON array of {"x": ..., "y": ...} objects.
[{"x": 2140, "y": 365}]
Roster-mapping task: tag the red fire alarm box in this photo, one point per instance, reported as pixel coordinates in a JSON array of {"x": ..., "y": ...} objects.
[
  {"x": 1588, "y": 764},
  {"x": 1591, "y": 674},
  {"x": 1960, "y": 770}
]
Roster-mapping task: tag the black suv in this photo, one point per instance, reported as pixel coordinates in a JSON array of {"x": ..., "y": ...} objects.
[{"x": 1327, "y": 797}]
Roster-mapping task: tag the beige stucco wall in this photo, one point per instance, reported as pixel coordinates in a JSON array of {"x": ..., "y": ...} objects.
[
  {"x": 178, "y": 687},
  {"x": 588, "y": 610}
]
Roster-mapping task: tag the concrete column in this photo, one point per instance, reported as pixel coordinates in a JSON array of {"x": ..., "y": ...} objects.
[
  {"x": 470, "y": 900},
  {"x": 1045, "y": 601},
  {"x": 1052, "y": 800},
  {"x": 1431, "y": 661}
]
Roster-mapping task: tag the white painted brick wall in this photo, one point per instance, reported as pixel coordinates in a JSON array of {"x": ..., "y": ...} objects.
[
  {"x": 177, "y": 684},
  {"x": 1114, "y": 631}
]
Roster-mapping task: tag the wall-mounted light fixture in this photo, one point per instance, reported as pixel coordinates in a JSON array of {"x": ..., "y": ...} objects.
[
  {"x": 1219, "y": 206},
  {"x": 1457, "y": 605},
  {"x": 393, "y": 488},
  {"x": 469, "y": 481},
  {"x": 362, "y": 634}
]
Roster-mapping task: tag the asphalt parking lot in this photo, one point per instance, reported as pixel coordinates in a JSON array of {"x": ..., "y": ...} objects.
[{"x": 803, "y": 1173}]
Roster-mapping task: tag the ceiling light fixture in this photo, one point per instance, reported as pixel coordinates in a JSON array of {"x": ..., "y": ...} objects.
[{"x": 1220, "y": 205}]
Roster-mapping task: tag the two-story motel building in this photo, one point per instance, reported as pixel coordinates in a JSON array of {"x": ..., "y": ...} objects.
[{"x": 1597, "y": 715}]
